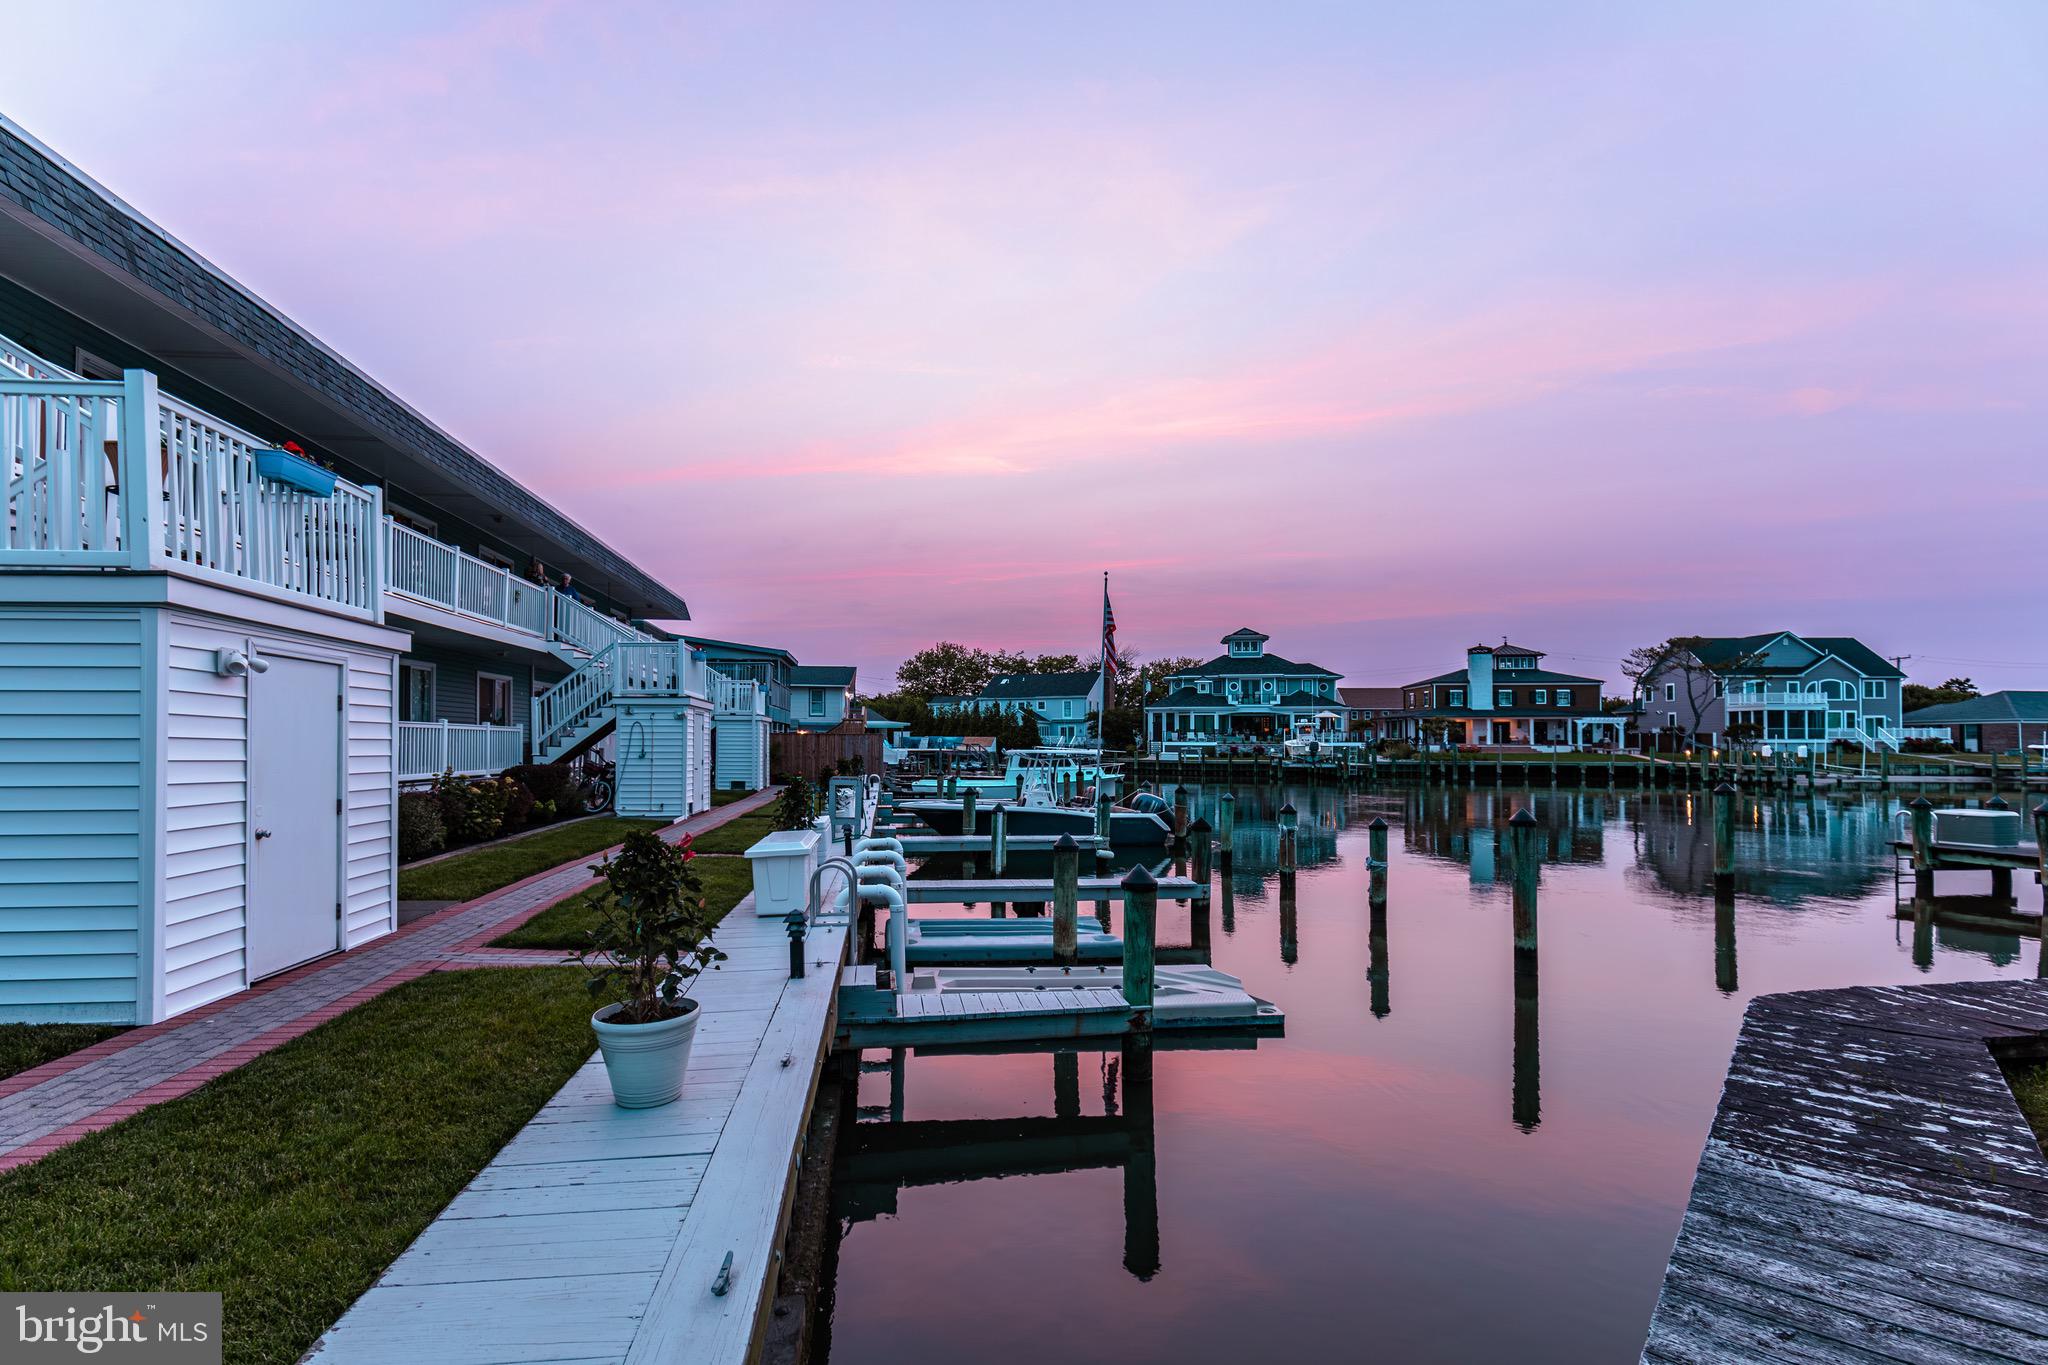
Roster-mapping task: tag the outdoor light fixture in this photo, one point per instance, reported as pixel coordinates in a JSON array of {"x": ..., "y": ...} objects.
[{"x": 233, "y": 663}]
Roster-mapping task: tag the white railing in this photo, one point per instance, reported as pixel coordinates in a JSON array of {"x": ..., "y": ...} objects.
[
  {"x": 581, "y": 627},
  {"x": 429, "y": 748},
  {"x": 738, "y": 696},
  {"x": 220, "y": 515},
  {"x": 1870, "y": 736},
  {"x": 576, "y": 705},
  {"x": 1737, "y": 699},
  {"x": 424, "y": 568},
  {"x": 109, "y": 474}
]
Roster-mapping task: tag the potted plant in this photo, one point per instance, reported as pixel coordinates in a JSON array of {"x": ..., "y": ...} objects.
[
  {"x": 288, "y": 465},
  {"x": 652, "y": 937}
]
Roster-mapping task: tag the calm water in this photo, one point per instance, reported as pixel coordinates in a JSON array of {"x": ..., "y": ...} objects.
[{"x": 1423, "y": 1168}]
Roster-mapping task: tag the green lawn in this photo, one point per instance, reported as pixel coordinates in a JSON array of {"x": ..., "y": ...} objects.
[
  {"x": 25, "y": 1045},
  {"x": 290, "y": 1184},
  {"x": 736, "y": 836},
  {"x": 2030, "y": 1087},
  {"x": 726, "y": 881},
  {"x": 469, "y": 875}
]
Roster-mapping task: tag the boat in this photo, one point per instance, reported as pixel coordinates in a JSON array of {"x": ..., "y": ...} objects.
[
  {"x": 1141, "y": 824},
  {"x": 1057, "y": 770}
]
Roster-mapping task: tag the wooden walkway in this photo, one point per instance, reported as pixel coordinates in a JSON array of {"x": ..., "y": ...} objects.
[
  {"x": 598, "y": 1233},
  {"x": 1870, "y": 1190}
]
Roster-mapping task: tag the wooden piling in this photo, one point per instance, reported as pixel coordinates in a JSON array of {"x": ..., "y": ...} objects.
[
  {"x": 1141, "y": 927},
  {"x": 1201, "y": 854},
  {"x": 969, "y": 799},
  {"x": 1922, "y": 814},
  {"x": 2041, "y": 852},
  {"x": 1724, "y": 837},
  {"x": 1288, "y": 820},
  {"x": 1102, "y": 813},
  {"x": 1180, "y": 814},
  {"x": 1724, "y": 941},
  {"x": 1376, "y": 862},
  {"x": 1526, "y": 868},
  {"x": 1066, "y": 907},
  {"x": 1226, "y": 820}
]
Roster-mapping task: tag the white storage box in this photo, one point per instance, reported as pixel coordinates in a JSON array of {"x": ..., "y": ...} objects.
[{"x": 782, "y": 870}]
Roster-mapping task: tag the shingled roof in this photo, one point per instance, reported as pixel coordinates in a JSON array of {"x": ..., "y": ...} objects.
[
  {"x": 1032, "y": 686},
  {"x": 1992, "y": 708}
]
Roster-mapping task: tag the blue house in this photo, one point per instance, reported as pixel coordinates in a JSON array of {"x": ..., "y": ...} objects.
[
  {"x": 767, "y": 665},
  {"x": 1064, "y": 704},
  {"x": 821, "y": 695},
  {"x": 222, "y": 659},
  {"x": 1243, "y": 694}
]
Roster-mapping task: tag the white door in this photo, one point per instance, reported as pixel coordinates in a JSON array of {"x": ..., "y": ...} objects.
[{"x": 294, "y": 792}]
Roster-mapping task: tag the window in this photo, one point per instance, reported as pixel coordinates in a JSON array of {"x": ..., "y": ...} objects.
[
  {"x": 1564, "y": 696},
  {"x": 1671, "y": 692},
  {"x": 1411, "y": 701},
  {"x": 817, "y": 700},
  {"x": 493, "y": 699},
  {"x": 1068, "y": 709},
  {"x": 1874, "y": 688},
  {"x": 415, "y": 691},
  {"x": 490, "y": 556},
  {"x": 1457, "y": 696},
  {"x": 1542, "y": 696},
  {"x": 1503, "y": 696}
]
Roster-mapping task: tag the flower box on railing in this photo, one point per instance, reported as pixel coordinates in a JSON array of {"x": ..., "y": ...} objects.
[{"x": 295, "y": 471}]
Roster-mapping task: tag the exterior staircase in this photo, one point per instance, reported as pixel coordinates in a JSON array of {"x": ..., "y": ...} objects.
[{"x": 579, "y": 708}]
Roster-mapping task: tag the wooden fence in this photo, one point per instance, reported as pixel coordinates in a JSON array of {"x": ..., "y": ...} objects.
[{"x": 808, "y": 754}]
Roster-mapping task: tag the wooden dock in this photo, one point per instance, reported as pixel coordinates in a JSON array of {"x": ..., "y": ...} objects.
[
  {"x": 1013, "y": 891},
  {"x": 599, "y": 1233},
  {"x": 927, "y": 845},
  {"x": 1870, "y": 1190}
]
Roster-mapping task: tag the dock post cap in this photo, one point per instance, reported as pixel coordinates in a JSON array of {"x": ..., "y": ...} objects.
[
  {"x": 1997, "y": 803},
  {"x": 1287, "y": 809},
  {"x": 1723, "y": 789},
  {"x": 1138, "y": 879},
  {"x": 1378, "y": 822},
  {"x": 1227, "y": 796},
  {"x": 1523, "y": 817},
  {"x": 1201, "y": 826},
  {"x": 1919, "y": 803},
  {"x": 1066, "y": 844},
  {"x": 2041, "y": 811}
]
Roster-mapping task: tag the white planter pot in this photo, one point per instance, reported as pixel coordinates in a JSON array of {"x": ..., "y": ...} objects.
[{"x": 646, "y": 1061}]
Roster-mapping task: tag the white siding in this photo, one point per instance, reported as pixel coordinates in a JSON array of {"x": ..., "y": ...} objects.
[
  {"x": 72, "y": 760},
  {"x": 206, "y": 792},
  {"x": 652, "y": 749},
  {"x": 742, "y": 751}
]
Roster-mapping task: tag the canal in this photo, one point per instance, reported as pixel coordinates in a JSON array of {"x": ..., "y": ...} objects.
[{"x": 1431, "y": 1165}]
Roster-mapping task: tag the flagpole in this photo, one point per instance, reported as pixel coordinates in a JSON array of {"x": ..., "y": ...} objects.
[{"x": 1102, "y": 664}]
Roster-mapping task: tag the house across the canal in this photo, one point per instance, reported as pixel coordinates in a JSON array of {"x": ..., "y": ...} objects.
[
  {"x": 1245, "y": 693},
  {"x": 1370, "y": 711},
  {"x": 1774, "y": 688},
  {"x": 1504, "y": 696},
  {"x": 1064, "y": 704},
  {"x": 1995, "y": 723}
]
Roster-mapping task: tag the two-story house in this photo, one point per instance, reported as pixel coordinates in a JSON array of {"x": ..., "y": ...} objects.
[
  {"x": 1243, "y": 694},
  {"x": 821, "y": 696},
  {"x": 1505, "y": 696},
  {"x": 767, "y": 665},
  {"x": 1064, "y": 704},
  {"x": 222, "y": 656},
  {"x": 1776, "y": 688},
  {"x": 1368, "y": 711}
]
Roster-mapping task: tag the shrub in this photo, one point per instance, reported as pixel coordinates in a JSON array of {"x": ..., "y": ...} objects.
[
  {"x": 420, "y": 831},
  {"x": 798, "y": 806},
  {"x": 1396, "y": 748},
  {"x": 519, "y": 801},
  {"x": 471, "y": 811},
  {"x": 553, "y": 784},
  {"x": 1927, "y": 746},
  {"x": 652, "y": 933}
]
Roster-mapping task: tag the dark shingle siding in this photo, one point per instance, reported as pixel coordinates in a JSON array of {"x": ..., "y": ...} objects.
[{"x": 54, "y": 195}]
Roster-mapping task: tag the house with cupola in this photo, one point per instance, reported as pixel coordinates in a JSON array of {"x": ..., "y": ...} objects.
[
  {"x": 1504, "y": 696},
  {"x": 1245, "y": 694}
]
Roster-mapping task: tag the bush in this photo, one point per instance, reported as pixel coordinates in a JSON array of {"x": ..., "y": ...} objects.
[
  {"x": 799, "y": 804},
  {"x": 471, "y": 811},
  {"x": 553, "y": 785},
  {"x": 1927, "y": 746},
  {"x": 519, "y": 801},
  {"x": 420, "y": 831},
  {"x": 1396, "y": 748}
]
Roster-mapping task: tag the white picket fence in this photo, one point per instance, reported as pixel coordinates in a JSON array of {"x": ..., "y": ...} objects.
[{"x": 427, "y": 749}]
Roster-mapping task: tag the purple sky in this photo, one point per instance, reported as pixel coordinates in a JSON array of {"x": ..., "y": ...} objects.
[{"x": 1380, "y": 328}]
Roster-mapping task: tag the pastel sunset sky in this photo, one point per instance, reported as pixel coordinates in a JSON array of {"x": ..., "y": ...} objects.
[{"x": 1380, "y": 328}]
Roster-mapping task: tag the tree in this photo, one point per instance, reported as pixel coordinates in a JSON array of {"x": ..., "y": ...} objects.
[
  {"x": 1915, "y": 696},
  {"x": 1677, "y": 661},
  {"x": 945, "y": 669}
]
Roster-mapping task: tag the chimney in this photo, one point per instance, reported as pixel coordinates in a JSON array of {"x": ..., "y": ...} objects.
[{"x": 1479, "y": 678}]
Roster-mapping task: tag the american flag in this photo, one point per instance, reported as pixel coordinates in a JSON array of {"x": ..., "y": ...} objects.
[{"x": 1112, "y": 662}]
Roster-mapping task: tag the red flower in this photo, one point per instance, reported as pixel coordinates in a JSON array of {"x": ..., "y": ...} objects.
[
  {"x": 688, "y": 852},
  {"x": 293, "y": 447}
]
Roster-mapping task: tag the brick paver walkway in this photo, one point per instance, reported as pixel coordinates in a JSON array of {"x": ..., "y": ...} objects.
[{"x": 45, "y": 1107}]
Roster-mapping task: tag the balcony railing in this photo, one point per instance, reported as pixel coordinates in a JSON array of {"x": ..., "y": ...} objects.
[
  {"x": 1779, "y": 698},
  {"x": 738, "y": 696},
  {"x": 428, "y": 570},
  {"x": 108, "y": 474},
  {"x": 427, "y": 749}
]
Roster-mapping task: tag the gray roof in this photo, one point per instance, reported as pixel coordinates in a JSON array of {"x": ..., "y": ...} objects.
[
  {"x": 1028, "y": 686},
  {"x": 1513, "y": 677},
  {"x": 1265, "y": 665},
  {"x": 1991, "y": 708},
  {"x": 1723, "y": 653},
  {"x": 821, "y": 675},
  {"x": 711, "y": 646},
  {"x": 64, "y": 238}
]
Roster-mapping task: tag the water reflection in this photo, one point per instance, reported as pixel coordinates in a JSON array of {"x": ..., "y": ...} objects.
[{"x": 1496, "y": 1170}]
